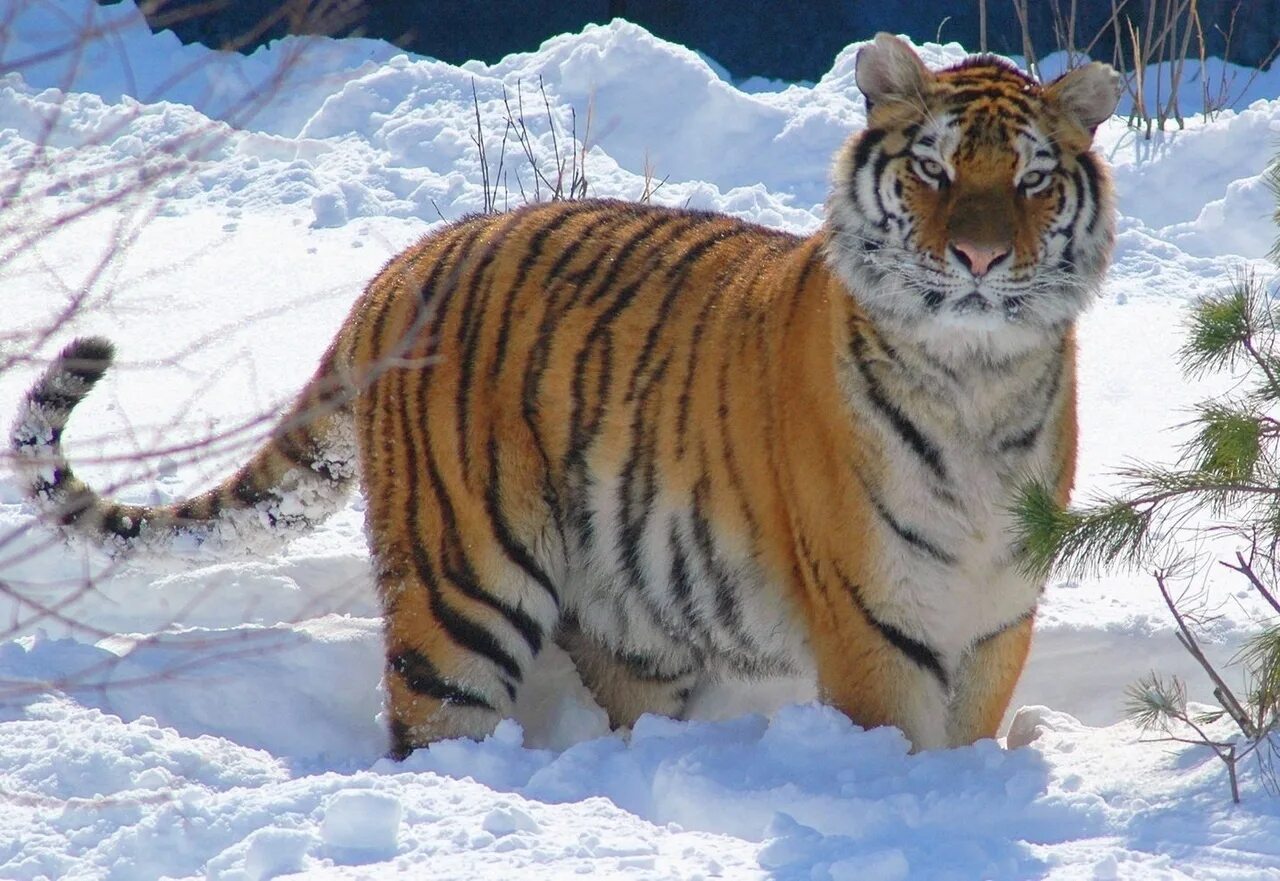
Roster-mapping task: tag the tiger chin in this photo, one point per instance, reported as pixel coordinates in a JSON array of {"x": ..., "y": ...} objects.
[{"x": 683, "y": 446}]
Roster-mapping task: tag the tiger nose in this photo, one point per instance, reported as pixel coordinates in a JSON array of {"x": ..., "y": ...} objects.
[{"x": 978, "y": 259}]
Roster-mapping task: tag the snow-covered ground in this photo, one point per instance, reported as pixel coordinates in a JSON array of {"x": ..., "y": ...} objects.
[{"x": 218, "y": 717}]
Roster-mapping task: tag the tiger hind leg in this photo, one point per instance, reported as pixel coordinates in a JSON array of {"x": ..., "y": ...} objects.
[
  {"x": 461, "y": 627},
  {"x": 625, "y": 685}
]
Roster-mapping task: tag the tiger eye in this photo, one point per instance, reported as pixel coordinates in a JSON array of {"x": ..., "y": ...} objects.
[
  {"x": 1033, "y": 179},
  {"x": 933, "y": 168}
]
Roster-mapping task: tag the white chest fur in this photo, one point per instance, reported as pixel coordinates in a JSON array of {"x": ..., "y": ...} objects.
[{"x": 955, "y": 447}]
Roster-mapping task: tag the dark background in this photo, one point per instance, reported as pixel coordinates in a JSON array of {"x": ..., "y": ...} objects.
[{"x": 785, "y": 39}]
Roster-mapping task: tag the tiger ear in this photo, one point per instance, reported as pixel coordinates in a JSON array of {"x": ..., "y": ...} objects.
[
  {"x": 888, "y": 69},
  {"x": 1087, "y": 94}
]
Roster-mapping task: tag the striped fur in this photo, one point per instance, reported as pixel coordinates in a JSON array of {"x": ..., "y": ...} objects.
[{"x": 683, "y": 445}]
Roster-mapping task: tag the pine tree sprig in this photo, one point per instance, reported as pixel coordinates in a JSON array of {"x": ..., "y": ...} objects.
[
  {"x": 1153, "y": 702},
  {"x": 1052, "y": 537},
  {"x": 1217, "y": 328},
  {"x": 1228, "y": 443}
]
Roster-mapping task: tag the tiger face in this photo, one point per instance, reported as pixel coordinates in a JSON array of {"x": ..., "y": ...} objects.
[{"x": 970, "y": 215}]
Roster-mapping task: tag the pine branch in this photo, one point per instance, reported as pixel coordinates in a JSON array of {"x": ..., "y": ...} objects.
[
  {"x": 1246, "y": 569},
  {"x": 1265, "y": 365},
  {"x": 1116, "y": 530}
]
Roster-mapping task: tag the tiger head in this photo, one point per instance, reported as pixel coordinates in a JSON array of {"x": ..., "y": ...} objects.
[{"x": 970, "y": 214}]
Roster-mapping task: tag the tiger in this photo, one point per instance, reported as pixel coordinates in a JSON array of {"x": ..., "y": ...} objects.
[{"x": 685, "y": 447}]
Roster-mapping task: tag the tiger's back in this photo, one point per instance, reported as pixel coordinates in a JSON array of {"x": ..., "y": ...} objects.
[{"x": 680, "y": 444}]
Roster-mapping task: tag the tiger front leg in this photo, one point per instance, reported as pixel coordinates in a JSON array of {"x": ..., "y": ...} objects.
[
  {"x": 878, "y": 675},
  {"x": 986, "y": 681}
]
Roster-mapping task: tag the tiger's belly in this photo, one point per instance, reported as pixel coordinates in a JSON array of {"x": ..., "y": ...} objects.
[{"x": 661, "y": 581}]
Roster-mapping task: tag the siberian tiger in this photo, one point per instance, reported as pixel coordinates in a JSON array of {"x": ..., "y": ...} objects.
[{"x": 682, "y": 445}]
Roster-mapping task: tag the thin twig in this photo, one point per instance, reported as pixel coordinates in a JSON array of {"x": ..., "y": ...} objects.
[{"x": 1222, "y": 691}]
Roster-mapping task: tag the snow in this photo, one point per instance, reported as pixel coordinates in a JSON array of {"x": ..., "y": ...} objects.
[{"x": 217, "y": 716}]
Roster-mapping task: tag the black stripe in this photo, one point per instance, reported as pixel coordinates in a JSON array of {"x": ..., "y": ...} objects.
[
  {"x": 920, "y": 653},
  {"x": 122, "y": 521},
  {"x": 300, "y": 454},
  {"x": 422, "y": 677},
  {"x": 982, "y": 640},
  {"x": 245, "y": 491},
  {"x": 428, "y": 288},
  {"x": 84, "y": 361},
  {"x": 428, "y": 296},
  {"x": 1092, "y": 189},
  {"x": 660, "y": 321},
  {"x": 877, "y": 171},
  {"x": 515, "y": 550},
  {"x": 627, "y": 292},
  {"x": 471, "y": 331},
  {"x": 982, "y": 93},
  {"x": 539, "y": 356},
  {"x": 583, "y": 431},
  {"x": 909, "y": 535},
  {"x": 682, "y": 588},
  {"x": 620, "y": 257},
  {"x": 1021, "y": 442},
  {"x": 581, "y": 423},
  {"x": 47, "y": 398},
  {"x": 494, "y": 249},
  {"x": 641, "y": 466},
  {"x": 401, "y": 745},
  {"x": 87, "y": 358},
  {"x": 866, "y": 144},
  {"x": 736, "y": 482},
  {"x": 1026, "y": 439},
  {"x": 690, "y": 373},
  {"x": 186, "y": 510},
  {"x": 905, "y": 428},
  {"x": 727, "y": 613},
  {"x": 646, "y": 668},
  {"x": 463, "y": 576},
  {"x": 798, "y": 297},
  {"x": 531, "y": 256},
  {"x": 466, "y": 634},
  {"x": 457, "y": 568}
]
